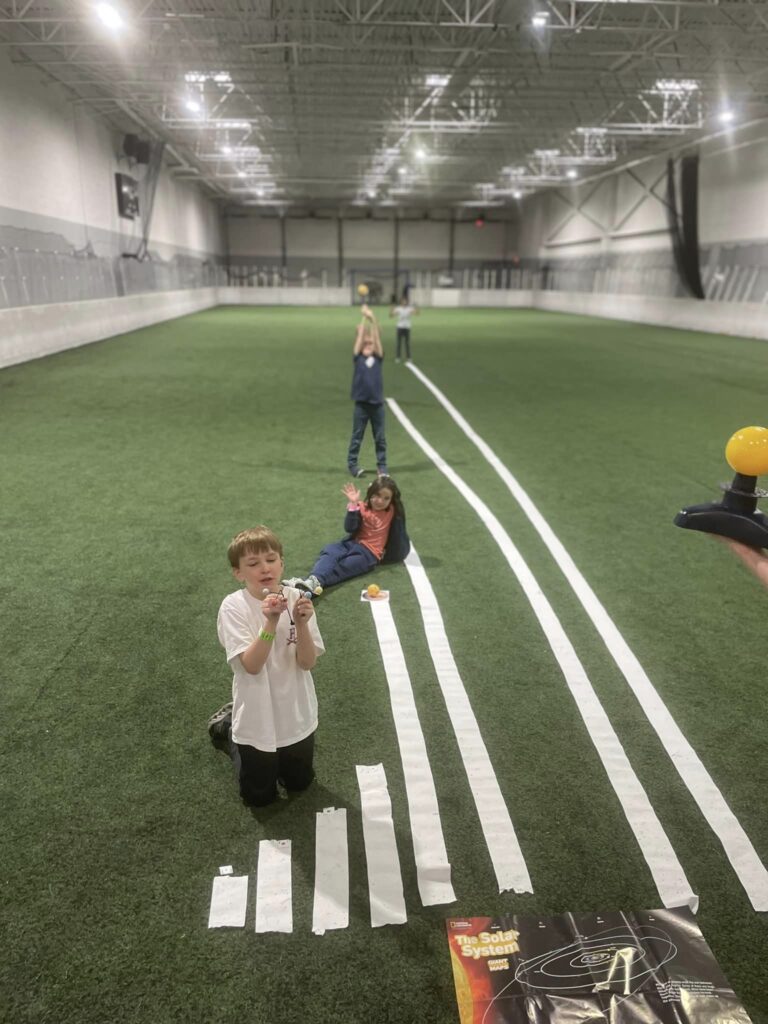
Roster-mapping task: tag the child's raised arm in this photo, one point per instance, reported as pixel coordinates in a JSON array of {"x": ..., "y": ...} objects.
[
  {"x": 359, "y": 338},
  {"x": 376, "y": 338}
]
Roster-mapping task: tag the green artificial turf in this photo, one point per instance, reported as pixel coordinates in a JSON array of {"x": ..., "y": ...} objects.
[{"x": 126, "y": 468}]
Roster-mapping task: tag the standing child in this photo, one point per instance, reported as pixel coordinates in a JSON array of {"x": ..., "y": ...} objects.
[
  {"x": 272, "y": 642},
  {"x": 404, "y": 311},
  {"x": 367, "y": 394},
  {"x": 375, "y": 533}
]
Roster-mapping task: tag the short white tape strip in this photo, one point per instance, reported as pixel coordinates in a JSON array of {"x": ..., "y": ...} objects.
[
  {"x": 673, "y": 887},
  {"x": 229, "y": 900},
  {"x": 385, "y": 882},
  {"x": 503, "y": 846},
  {"x": 433, "y": 872},
  {"x": 331, "y": 906},
  {"x": 274, "y": 896},
  {"x": 749, "y": 869}
]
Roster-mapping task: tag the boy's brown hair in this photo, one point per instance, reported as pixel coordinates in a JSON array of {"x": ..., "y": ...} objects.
[{"x": 253, "y": 541}]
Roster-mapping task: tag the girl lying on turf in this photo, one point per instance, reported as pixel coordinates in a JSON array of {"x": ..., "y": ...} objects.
[{"x": 375, "y": 533}]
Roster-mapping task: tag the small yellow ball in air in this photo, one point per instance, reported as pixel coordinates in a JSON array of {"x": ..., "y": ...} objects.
[
  {"x": 747, "y": 451},
  {"x": 362, "y": 289},
  {"x": 373, "y": 590}
]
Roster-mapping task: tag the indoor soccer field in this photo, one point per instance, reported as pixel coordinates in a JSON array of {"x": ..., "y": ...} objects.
[{"x": 126, "y": 468}]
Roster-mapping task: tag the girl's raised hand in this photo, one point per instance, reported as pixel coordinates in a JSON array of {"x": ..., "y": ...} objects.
[
  {"x": 303, "y": 610},
  {"x": 351, "y": 492}
]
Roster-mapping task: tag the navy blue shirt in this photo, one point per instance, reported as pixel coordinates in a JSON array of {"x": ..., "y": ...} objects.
[{"x": 367, "y": 382}]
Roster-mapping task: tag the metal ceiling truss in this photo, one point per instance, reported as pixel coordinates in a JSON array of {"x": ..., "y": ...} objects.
[{"x": 333, "y": 102}]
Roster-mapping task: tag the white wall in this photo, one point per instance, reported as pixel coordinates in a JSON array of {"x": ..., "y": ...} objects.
[
  {"x": 423, "y": 243},
  {"x": 57, "y": 166},
  {"x": 625, "y": 212},
  {"x": 29, "y": 332}
]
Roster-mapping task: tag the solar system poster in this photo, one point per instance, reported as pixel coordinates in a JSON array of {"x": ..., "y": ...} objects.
[{"x": 637, "y": 968}]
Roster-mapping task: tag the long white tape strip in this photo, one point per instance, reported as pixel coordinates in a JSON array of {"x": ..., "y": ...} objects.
[
  {"x": 385, "y": 883},
  {"x": 229, "y": 900},
  {"x": 274, "y": 899},
  {"x": 331, "y": 906},
  {"x": 749, "y": 869},
  {"x": 433, "y": 872},
  {"x": 503, "y": 846},
  {"x": 674, "y": 888}
]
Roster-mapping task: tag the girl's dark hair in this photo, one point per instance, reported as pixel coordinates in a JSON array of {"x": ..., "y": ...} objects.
[{"x": 386, "y": 482}]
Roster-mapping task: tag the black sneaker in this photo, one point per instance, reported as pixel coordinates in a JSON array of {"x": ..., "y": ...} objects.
[
  {"x": 219, "y": 725},
  {"x": 356, "y": 472}
]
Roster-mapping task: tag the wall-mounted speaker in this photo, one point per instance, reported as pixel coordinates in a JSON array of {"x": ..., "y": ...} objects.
[{"x": 136, "y": 149}]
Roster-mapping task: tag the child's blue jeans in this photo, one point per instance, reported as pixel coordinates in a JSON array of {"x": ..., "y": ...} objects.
[
  {"x": 364, "y": 413},
  {"x": 342, "y": 561}
]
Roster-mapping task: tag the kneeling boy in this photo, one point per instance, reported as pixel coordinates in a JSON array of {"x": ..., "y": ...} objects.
[{"x": 270, "y": 635}]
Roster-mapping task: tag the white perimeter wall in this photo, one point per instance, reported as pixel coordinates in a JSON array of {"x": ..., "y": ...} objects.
[
  {"x": 624, "y": 211},
  {"x": 369, "y": 242},
  {"x": 29, "y": 332},
  {"x": 57, "y": 167}
]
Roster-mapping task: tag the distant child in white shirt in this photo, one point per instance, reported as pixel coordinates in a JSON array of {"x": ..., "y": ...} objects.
[
  {"x": 404, "y": 312},
  {"x": 272, "y": 642}
]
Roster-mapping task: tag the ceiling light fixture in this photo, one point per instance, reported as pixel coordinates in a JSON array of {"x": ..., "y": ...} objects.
[
  {"x": 192, "y": 105},
  {"x": 726, "y": 116},
  {"x": 540, "y": 19},
  {"x": 109, "y": 16}
]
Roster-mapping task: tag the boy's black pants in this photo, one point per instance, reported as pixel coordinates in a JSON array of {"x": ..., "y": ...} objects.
[{"x": 259, "y": 770}]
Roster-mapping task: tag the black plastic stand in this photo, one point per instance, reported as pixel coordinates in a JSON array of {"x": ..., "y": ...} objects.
[{"x": 736, "y": 516}]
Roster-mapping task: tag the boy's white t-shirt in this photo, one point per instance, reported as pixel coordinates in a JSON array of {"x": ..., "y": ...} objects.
[
  {"x": 278, "y": 706},
  {"x": 403, "y": 314}
]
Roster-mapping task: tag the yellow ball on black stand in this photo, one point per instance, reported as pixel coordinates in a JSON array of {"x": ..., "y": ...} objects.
[{"x": 736, "y": 516}]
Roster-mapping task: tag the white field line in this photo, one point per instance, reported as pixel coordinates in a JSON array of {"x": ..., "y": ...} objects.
[
  {"x": 738, "y": 848},
  {"x": 433, "y": 872},
  {"x": 503, "y": 846},
  {"x": 673, "y": 887}
]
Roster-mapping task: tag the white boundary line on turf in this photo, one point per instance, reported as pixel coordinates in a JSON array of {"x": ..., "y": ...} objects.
[
  {"x": 503, "y": 846},
  {"x": 737, "y": 845},
  {"x": 433, "y": 872},
  {"x": 667, "y": 871}
]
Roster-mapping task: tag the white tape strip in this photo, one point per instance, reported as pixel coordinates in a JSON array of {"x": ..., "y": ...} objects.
[
  {"x": 433, "y": 872},
  {"x": 674, "y": 888},
  {"x": 229, "y": 899},
  {"x": 385, "y": 883},
  {"x": 331, "y": 906},
  {"x": 503, "y": 845},
  {"x": 274, "y": 907},
  {"x": 749, "y": 869}
]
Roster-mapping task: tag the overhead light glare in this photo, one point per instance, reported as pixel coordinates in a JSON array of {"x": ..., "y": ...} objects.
[
  {"x": 421, "y": 153},
  {"x": 226, "y": 150},
  {"x": 517, "y": 194},
  {"x": 437, "y": 81},
  {"x": 571, "y": 173},
  {"x": 680, "y": 85},
  {"x": 402, "y": 171},
  {"x": 109, "y": 16},
  {"x": 726, "y": 116},
  {"x": 241, "y": 174},
  {"x": 192, "y": 105},
  {"x": 540, "y": 19}
]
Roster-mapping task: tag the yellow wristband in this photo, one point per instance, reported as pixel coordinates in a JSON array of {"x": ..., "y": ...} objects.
[{"x": 264, "y": 635}]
